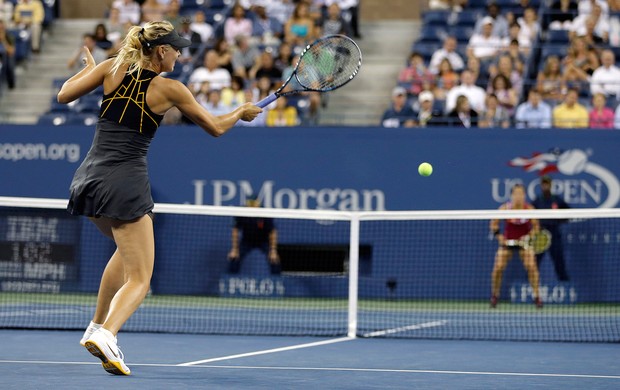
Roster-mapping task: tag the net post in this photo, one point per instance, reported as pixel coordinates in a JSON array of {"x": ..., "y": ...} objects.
[{"x": 353, "y": 274}]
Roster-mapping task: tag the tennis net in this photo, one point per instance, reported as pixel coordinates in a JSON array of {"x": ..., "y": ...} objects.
[{"x": 410, "y": 274}]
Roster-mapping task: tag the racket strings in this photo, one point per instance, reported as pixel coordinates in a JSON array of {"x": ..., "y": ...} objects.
[{"x": 329, "y": 64}]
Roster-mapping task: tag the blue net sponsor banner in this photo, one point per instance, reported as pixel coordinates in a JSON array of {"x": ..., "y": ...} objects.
[{"x": 334, "y": 168}]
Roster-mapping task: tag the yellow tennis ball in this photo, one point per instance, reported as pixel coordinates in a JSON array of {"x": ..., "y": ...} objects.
[{"x": 425, "y": 169}]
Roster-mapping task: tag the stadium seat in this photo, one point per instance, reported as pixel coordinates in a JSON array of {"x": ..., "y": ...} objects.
[
  {"x": 461, "y": 33},
  {"x": 467, "y": 18},
  {"x": 435, "y": 18},
  {"x": 52, "y": 119},
  {"x": 549, "y": 50},
  {"x": 433, "y": 34},
  {"x": 427, "y": 49},
  {"x": 559, "y": 37},
  {"x": 88, "y": 104},
  {"x": 471, "y": 4}
]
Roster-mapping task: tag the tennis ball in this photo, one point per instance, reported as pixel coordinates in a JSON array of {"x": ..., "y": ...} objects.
[{"x": 425, "y": 169}]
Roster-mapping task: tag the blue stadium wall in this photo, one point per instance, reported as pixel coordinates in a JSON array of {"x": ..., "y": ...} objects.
[{"x": 339, "y": 169}]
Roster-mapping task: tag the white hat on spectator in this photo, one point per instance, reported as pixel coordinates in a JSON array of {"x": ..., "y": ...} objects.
[
  {"x": 487, "y": 20},
  {"x": 426, "y": 96},
  {"x": 399, "y": 91}
]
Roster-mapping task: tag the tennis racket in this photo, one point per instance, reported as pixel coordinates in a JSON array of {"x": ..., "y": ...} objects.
[
  {"x": 324, "y": 65},
  {"x": 539, "y": 242}
]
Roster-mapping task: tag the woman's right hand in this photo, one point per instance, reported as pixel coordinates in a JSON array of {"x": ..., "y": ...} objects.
[{"x": 249, "y": 112}]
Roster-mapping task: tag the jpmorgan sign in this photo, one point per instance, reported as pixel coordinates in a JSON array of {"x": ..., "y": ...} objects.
[{"x": 228, "y": 193}]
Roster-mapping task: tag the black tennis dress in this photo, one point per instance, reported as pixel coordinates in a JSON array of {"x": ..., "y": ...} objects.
[{"x": 113, "y": 181}]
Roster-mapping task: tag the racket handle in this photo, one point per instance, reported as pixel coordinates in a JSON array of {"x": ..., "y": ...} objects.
[{"x": 267, "y": 101}]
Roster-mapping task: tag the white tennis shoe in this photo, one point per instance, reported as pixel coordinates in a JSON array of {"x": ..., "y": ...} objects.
[
  {"x": 92, "y": 327},
  {"x": 102, "y": 344}
]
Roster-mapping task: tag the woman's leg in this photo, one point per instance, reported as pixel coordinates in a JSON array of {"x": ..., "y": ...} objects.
[
  {"x": 529, "y": 262},
  {"x": 136, "y": 251},
  {"x": 501, "y": 261}
]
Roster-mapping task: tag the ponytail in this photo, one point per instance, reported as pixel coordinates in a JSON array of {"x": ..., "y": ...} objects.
[{"x": 135, "y": 50}]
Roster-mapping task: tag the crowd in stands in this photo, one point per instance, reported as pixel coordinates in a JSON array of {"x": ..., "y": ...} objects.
[
  {"x": 512, "y": 63},
  {"x": 242, "y": 51},
  {"x": 21, "y": 33}
]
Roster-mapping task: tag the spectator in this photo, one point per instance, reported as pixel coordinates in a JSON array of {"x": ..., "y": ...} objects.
[
  {"x": 494, "y": 115},
  {"x": 237, "y": 25},
  {"x": 350, "y": 10},
  {"x": 601, "y": 116},
  {"x": 299, "y": 29},
  {"x": 400, "y": 114},
  {"x": 29, "y": 15},
  {"x": 267, "y": 30},
  {"x": 280, "y": 9},
  {"x": 263, "y": 88},
  {"x": 249, "y": 233},
  {"x": 171, "y": 13},
  {"x": 152, "y": 11},
  {"x": 594, "y": 23},
  {"x": 606, "y": 78},
  {"x": 282, "y": 115},
  {"x": 214, "y": 104},
  {"x": 515, "y": 34},
  {"x": 334, "y": 22},
  {"x": 586, "y": 7},
  {"x": 547, "y": 200},
  {"x": 448, "y": 51},
  {"x": 265, "y": 67},
  {"x": 217, "y": 77},
  {"x": 529, "y": 25},
  {"x": 497, "y": 20},
  {"x": 114, "y": 27},
  {"x": 201, "y": 26},
  {"x": 550, "y": 81},
  {"x": 185, "y": 31},
  {"x": 484, "y": 45},
  {"x": 462, "y": 115},
  {"x": 517, "y": 56},
  {"x": 7, "y": 55},
  {"x": 427, "y": 113},
  {"x": 88, "y": 41},
  {"x": 506, "y": 67},
  {"x": 6, "y": 12},
  {"x": 224, "y": 54},
  {"x": 561, "y": 14},
  {"x": 509, "y": 242},
  {"x": 506, "y": 95},
  {"x": 571, "y": 114},
  {"x": 446, "y": 79},
  {"x": 475, "y": 95},
  {"x": 285, "y": 56},
  {"x": 475, "y": 67},
  {"x": 416, "y": 74},
  {"x": 579, "y": 63},
  {"x": 129, "y": 11},
  {"x": 234, "y": 96},
  {"x": 244, "y": 56},
  {"x": 534, "y": 113},
  {"x": 101, "y": 37}
]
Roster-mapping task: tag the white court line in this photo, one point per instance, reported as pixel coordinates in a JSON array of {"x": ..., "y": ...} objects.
[
  {"x": 289, "y": 348},
  {"x": 341, "y": 369},
  {"x": 423, "y": 325}
]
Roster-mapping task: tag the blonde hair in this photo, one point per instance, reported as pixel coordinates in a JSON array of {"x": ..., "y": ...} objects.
[{"x": 134, "y": 51}]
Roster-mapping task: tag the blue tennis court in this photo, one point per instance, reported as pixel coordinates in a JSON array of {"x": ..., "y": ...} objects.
[{"x": 33, "y": 359}]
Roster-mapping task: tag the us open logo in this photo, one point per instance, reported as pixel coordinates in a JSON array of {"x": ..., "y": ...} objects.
[{"x": 576, "y": 178}]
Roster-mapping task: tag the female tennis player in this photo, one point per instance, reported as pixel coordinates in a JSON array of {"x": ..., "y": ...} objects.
[
  {"x": 111, "y": 186},
  {"x": 512, "y": 239}
]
